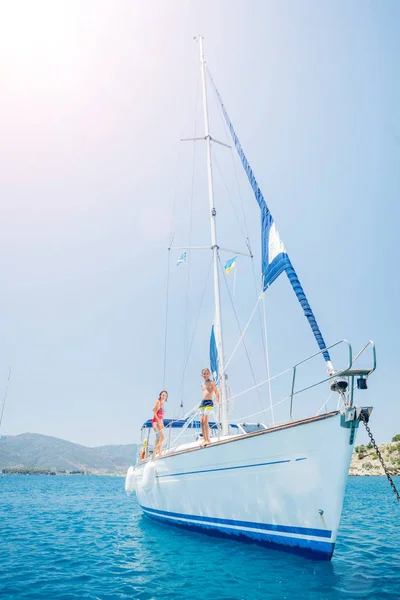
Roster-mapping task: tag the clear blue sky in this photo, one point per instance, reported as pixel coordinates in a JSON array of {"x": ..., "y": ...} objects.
[{"x": 94, "y": 99}]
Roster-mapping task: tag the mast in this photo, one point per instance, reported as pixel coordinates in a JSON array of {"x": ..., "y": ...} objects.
[{"x": 214, "y": 247}]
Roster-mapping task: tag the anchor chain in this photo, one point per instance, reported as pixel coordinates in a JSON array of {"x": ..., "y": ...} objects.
[{"x": 363, "y": 419}]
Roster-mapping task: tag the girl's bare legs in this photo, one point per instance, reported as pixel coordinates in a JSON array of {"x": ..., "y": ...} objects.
[
  {"x": 157, "y": 448},
  {"x": 160, "y": 443}
]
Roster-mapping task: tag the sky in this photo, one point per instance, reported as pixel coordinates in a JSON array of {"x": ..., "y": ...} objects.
[{"x": 95, "y": 97}]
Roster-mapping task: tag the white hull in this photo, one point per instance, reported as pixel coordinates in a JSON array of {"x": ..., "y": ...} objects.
[{"x": 283, "y": 486}]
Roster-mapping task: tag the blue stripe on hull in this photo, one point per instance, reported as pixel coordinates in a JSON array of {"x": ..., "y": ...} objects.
[
  {"x": 275, "y": 462},
  {"x": 326, "y": 533},
  {"x": 311, "y": 548}
]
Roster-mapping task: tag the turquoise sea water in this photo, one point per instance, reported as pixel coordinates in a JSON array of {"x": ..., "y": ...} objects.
[{"x": 81, "y": 537}]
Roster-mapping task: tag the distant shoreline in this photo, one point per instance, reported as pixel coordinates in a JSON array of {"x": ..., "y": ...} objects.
[
  {"x": 37, "y": 454},
  {"x": 12, "y": 472}
]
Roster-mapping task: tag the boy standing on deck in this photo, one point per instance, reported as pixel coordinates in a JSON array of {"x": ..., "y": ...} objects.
[{"x": 209, "y": 389}]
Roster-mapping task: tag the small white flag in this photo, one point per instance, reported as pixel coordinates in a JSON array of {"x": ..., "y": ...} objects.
[{"x": 181, "y": 259}]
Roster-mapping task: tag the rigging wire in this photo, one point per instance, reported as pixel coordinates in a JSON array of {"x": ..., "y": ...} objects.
[
  {"x": 262, "y": 383},
  {"x": 267, "y": 358},
  {"x": 256, "y": 289},
  {"x": 236, "y": 176},
  {"x": 245, "y": 234},
  {"x": 240, "y": 330},
  {"x": 188, "y": 278},
  {"x": 259, "y": 309},
  {"x": 215, "y": 161},
  {"x": 324, "y": 404},
  {"x": 239, "y": 193},
  {"x": 172, "y": 236},
  {"x": 243, "y": 333},
  {"x": 166, "y": 316},
  {"x": 195, "y": 327},
  {"x": 225, "y": 127},
  {"x": 260, "y": 412},
  {"x": 173, "y": 211},
  {"x": 171, "y": 239}
]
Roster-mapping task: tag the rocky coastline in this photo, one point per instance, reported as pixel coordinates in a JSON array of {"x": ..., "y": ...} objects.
[{"x": 365, "y": 461}]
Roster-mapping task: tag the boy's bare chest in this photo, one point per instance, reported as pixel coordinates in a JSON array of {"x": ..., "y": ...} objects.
[{"x": 207, "y": 386}]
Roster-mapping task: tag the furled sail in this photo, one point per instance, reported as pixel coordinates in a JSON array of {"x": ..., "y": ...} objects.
[
  {"x": 214, "y": 357},
  {"x": 274, "y": 259}
]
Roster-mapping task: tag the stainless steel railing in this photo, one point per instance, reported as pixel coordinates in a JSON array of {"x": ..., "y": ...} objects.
[{"x": 348, "y": 372}]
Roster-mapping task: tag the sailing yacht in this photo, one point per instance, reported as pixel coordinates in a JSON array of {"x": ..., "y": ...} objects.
[{"x": 280, "y": 484}]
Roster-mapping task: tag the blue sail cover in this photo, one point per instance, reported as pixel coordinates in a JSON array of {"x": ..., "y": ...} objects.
[
  {"x": 214, "y": 357},
  {"x": 274, "y": 259}
]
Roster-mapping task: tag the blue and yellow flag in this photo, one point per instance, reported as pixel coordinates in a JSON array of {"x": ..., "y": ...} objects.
[
  {"x": 230, "y": 265},
  {"x": 181, "y": 259}
]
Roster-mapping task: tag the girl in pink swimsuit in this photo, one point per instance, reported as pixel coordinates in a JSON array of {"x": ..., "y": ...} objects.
[{"x": 158, "y": 422}]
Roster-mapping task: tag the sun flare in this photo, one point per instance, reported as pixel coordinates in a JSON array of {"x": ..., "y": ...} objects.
[{"x": 33, "y": 31}]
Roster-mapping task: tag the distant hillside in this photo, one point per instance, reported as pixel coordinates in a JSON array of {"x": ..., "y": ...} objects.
[{"x": 33, "y": 450}]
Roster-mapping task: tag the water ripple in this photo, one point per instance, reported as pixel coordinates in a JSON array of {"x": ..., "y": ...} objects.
[{"x": 66, "y": 538}]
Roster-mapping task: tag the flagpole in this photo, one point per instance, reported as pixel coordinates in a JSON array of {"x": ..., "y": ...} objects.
[
  {"x": 214, "y": 246},
  {"x": 234, "y": 283}
]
